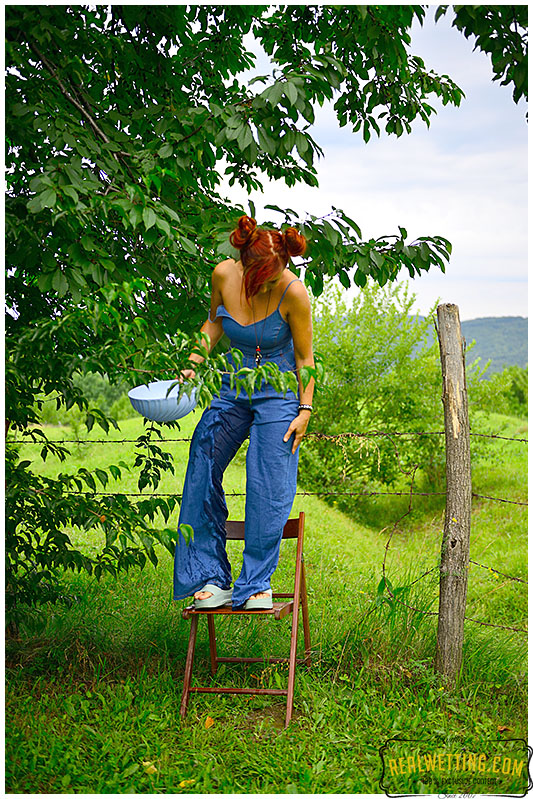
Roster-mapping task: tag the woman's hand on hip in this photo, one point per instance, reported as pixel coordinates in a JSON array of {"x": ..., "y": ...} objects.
[{"x": 298, "y": 426}]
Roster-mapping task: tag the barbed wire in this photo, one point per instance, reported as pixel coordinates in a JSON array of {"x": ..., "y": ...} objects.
[
  {"x": 466, "y": 618},
  {"x": 503, "y": 438},
  {"x": 507, "y": 576},
  {"x": 312, "y": 434},
  {"x": 498, "y": 626},
  {"x": 300, "y": 494},
  {"x": 508, "y": 501},
  {"x": 243, "y": 494},
  {"x": 489, "y": 568},
  {"x": 99, "y": 441}
]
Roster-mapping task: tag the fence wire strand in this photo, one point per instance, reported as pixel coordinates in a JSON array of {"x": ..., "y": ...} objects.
[
  {"x": 491, "y": 569},
  {"x": 303, "y": 494},
  {"x": 324, "y": 436}
]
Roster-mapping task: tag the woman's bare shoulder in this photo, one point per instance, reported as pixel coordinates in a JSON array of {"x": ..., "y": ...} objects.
[
  {"x": 296, "y": 292},
  {"x": 296, "y": 301},
  {"x": 224, "y": 270},
  {"x": 228, "y": 265}
]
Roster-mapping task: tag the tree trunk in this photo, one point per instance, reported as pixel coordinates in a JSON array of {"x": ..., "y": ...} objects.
[{"x": 455, "y": 550}]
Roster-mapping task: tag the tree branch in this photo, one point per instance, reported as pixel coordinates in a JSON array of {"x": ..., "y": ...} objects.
[
  {"x": 83, "y": 111},
  {"x": 68, "y": 95},
  {"x": 198, "y": 129}
]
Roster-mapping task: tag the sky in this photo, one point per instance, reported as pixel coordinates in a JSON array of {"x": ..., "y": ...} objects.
[{"x": 464, "y": 178}]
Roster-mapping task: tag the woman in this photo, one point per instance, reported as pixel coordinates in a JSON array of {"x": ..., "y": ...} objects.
[{"x": 265, "y": 311}]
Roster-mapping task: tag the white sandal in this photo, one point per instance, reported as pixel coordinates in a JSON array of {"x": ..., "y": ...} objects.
[
  {"x": 220, "y": 597},
  {"x": 264, "y": 603}
]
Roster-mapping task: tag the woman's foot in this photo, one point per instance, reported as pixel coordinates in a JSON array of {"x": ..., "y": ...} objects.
[
  {"x": 211, "y": 597},
  {"x": 260, "y": 601},
  {"x": 203, "y": 594},
  {"x": 207, "y": 594}
]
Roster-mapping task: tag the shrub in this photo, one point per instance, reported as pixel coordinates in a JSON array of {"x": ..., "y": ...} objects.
[{"x": 382, "y": 376}]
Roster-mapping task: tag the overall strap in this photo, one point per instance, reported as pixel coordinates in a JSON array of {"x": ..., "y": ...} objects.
[{"x": 286, "y": 287}]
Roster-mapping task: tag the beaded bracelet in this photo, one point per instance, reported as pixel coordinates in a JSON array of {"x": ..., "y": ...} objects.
[{"x": 305, "y": 408}]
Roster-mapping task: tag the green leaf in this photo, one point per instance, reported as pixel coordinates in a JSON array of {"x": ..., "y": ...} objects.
[
  {"x": 135, "y": 215},
  {"x": 151, "y": 236},
  {"x": 163, "y": 225},
  {"x": 344, "y": 279},
  {"x": 274, "y": 93},
  {"x": 34, "y": 205},
  {"x": 48, "y": 198},
  {"x": 130, "y": 770},
  {"x": 381, "y": 587},
  {"x": 360, "y": 278},
  {"x": 45, "y": 281},
  {"x": 250, "y": 153},
  {"x": 87, "y": 243},
  {"x": 331, "y": 234},
  {"x": 19, "y": 109},
  {"x": 60, "y": 283},
  {"x": 102, "y": 476},
  {"x": 265, "y": 142},
  {"x": 115, "y": 471},
  {"x": 302, "y": 145},
  {"x": 187, "y": 532},
  {"x": 165, "y": 151},
  {"x": 149, "y": 218},
  {"x": 290, "y": 91},
  {"x": 71, "y": 192},
  {"x": 188, "y": 245},
  {"x": 424, "y": 251},
  {"x": 245, "y": 137}
]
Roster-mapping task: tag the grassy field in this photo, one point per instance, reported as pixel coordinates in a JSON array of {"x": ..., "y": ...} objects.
[{"x": 94, "y": 685}]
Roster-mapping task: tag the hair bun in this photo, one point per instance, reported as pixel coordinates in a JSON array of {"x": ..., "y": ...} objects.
[
  {"x": 243, "y": 234},
  {"x": 295, "y": 243}
]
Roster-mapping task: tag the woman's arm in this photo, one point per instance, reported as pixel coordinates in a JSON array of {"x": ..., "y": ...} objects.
[
  {"x": 210, "y": 332},
  {"x": 299, "y": 319}
]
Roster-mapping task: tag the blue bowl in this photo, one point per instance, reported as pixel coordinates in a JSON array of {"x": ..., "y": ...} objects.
[{"x": 154, "y": 400}]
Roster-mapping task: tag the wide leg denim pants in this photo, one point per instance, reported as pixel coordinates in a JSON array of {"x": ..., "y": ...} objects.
[{"x": 271, "y": 472}]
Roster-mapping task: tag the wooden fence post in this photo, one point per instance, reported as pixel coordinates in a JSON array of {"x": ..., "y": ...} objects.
[{"x": 455, "y": 550}]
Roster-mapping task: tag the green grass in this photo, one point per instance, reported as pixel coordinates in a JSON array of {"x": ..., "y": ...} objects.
[{"x": 94, "y": 686}]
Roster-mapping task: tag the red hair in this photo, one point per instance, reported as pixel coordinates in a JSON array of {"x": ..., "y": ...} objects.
[{"x": 264, "y": 253}]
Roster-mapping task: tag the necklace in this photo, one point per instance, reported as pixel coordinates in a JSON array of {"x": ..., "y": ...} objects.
[{"x": 258, "y": 353}]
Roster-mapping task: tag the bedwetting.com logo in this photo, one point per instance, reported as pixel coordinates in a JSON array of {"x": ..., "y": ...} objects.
[{"x": 414, "y": 767}]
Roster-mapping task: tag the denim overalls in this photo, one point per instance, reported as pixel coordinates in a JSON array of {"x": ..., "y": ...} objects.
[{"x": 271, "y": 469}]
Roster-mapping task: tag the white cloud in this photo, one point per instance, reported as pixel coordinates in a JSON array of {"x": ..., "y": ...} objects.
[{"x": 465, "y": 178}]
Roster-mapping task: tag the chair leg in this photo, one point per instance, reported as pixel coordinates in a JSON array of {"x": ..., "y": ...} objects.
[
  {"x": 292, "y": 665},
  {"x": 212, "y": 644},
  {"x": 305, "y": 620},
  {"x": 188, "y": 666}
]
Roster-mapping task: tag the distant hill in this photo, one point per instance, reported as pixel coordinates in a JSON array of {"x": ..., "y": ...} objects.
[
  {"x": 499, "y": 339},
  {"x": 502, "y": 340}
]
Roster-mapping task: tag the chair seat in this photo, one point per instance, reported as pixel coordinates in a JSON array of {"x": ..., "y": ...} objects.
[{"x": 279, "y": 610}]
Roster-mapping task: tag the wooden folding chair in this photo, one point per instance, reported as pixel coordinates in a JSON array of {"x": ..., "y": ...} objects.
[{"x": 291, "y": 604}]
